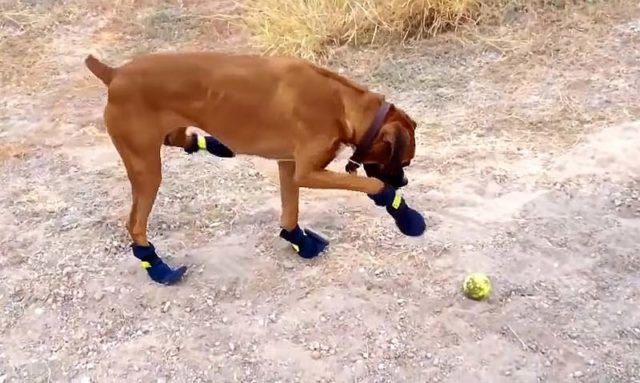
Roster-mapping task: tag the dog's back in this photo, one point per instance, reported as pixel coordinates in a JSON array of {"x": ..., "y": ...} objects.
[
  {"x": 242, "y": 99},
  {"x": 167, "y": 80}
]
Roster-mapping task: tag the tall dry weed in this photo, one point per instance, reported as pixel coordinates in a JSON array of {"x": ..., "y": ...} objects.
[{"x": 310, "y": 28}]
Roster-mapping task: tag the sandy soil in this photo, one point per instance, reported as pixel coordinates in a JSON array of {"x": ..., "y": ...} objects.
[{"x": 526, "y": 169}]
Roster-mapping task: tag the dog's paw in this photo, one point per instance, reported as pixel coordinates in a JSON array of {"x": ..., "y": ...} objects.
[
  {"x": 165, "y": 275},
  {"x": 307, "y": 243},
  {"x": 217, "y": 148},
  {"x": 156, "y": 268},
  {"x": 209, "y": 144},
  {"x": 408, "y": 220}
]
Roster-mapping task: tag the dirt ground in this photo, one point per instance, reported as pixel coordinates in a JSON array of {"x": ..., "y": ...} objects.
[{"x": 526, "y": 169}]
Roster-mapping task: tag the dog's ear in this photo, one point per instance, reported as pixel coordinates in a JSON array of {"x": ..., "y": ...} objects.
[{"x": 396, "y": 139}]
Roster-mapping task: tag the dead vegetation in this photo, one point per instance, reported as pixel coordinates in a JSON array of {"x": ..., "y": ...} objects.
[
  {"x": 311, "y": 28},
  {"x": 314, "y": 28},
  {"x": 29, "y": 31}
]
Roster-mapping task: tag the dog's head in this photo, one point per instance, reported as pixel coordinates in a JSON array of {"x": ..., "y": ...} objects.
[{"x": 393, "y": 149}]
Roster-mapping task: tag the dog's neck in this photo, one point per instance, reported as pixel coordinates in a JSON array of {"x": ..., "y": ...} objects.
[
  {"x": 364, "y": 143},
  {"x": 363, "y": 114}
]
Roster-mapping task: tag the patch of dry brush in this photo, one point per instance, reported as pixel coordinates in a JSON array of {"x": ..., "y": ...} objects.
[{"x": 311, "y": 28}]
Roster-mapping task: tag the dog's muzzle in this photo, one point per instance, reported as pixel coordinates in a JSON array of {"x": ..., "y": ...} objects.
[{"x": 397, "y": 179}]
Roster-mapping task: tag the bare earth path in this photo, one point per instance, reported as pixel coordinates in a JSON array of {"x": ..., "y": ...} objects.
[{"x": 527, "y": 170}]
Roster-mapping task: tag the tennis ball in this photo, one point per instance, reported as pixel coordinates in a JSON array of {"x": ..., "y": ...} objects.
[{"x": 476, "y": 286}]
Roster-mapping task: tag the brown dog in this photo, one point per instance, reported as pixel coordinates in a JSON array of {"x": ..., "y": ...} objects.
[{"x": 279, "y": 108}]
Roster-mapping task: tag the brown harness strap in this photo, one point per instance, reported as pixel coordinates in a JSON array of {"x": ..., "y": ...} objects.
[{"x": 367, "y": 140}]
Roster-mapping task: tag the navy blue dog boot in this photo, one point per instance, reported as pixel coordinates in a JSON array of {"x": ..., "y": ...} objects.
[
  {"x": 409, "y": 221},
  {"x": 308, "y": 244},
  {"x": 158, "y": 270},
  {"x": 209, "y": 144}
]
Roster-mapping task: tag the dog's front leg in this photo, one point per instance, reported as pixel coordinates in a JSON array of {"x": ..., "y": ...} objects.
[
  {"x": 305, "y": 242},
  {"x": 408, "y": 220}
]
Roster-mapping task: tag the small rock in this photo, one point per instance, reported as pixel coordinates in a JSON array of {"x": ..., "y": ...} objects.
[
  {"x": 38, "y": 311},
  {"x": 365, "y": 355},
  {"x": 429, "y": 355},
  {"x": 166, "y": 306},
  {"x": 232, "y": 347},
  {"x": 110, "y": 289},
  {"x": 577, "y": 374},
  {"x": 225, "y": 320},
  {"x": 98, "y": 296},
  {"x": 66, "y": 271},
  {"x": 436, "y": 362},
  {"x": 381, "y": 366},
  {"x": 316, "y": 354},
  {"x": 507, "y": 373}
]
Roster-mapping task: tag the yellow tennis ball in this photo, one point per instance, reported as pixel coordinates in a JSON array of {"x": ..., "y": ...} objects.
[{"x": 476, "y": 286}]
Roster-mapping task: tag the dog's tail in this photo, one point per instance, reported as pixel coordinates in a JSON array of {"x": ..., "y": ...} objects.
[{"x": 102, "y": 71}]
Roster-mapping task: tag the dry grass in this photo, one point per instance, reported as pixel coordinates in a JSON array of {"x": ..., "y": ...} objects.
[
  {"x": 30, "y": 32},
  {"x": 311, "y": 28},
  {"x": 25, "y": 32}
]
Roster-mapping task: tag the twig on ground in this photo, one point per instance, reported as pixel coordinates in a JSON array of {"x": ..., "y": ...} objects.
[{"x": 524, "y": 345}]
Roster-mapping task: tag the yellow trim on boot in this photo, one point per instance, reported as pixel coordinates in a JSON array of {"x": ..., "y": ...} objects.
[
  {"x": 145, "y": 264},
  {"x": 202, "y": 143},
  {"x": 296, "y": 248},
  {"x": 397, "y": 199}
]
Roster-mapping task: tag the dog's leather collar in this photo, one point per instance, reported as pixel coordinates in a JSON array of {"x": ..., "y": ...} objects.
[{"x": 367, "y": 140}]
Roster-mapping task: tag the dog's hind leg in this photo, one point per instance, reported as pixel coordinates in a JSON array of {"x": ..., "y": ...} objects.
[
  {"x": 306, "y": 243},
  {"x": 138, "y": 142},
  {"x": 192, "y": 143},
  {"x": 179, "y": 138}
]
